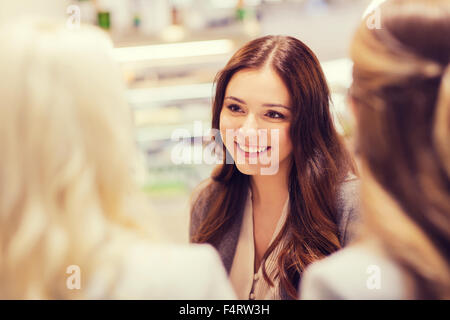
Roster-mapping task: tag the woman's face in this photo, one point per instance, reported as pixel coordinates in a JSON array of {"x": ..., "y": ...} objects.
[{"x": 255, "y": 120}]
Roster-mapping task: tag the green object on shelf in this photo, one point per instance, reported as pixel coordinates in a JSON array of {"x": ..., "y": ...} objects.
[
  {"x": 137, "y": 21},
  {"x": 241, "y": 14},
  {"x": 104, "y": 20}
]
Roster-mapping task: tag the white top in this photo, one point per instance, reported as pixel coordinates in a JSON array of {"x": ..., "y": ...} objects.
[
  {"x": 160, "y": 272},
  {"x": 246, "y": 283},
  {"x": 357, "y": 272}
]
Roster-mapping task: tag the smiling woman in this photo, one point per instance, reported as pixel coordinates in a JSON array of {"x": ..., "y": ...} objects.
[
  {"x": 251, "y": 119},
  {"x": 272, "y": 103}
]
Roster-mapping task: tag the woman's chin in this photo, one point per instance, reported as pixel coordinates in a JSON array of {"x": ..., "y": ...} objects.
[{"x": 249, "y": 169}]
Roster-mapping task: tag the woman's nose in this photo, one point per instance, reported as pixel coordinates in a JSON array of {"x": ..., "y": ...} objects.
[
  {"x": 249, "y": 126},
  {"x": 248, "y": 132}
]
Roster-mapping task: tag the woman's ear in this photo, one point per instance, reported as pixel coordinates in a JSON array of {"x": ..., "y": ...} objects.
[
  {"x": 353, "y": 108},
  {"x": 351, "y": 103}
]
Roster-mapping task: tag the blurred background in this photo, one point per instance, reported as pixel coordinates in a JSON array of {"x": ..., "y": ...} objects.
[{"x": 170, "y": 52}]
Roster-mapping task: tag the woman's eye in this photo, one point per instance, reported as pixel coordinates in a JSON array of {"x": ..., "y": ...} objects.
[
  {"x": 275, "y": 115},
  {"x": 234, "y": 108}
]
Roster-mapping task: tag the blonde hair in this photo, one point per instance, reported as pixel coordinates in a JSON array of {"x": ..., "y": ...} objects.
[
  {"x": 67, "y": 156},
  {"x": 401, "y": 91}
]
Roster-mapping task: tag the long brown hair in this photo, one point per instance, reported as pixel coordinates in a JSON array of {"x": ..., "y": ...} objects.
[
  {"x": 320, "y": 160},
  {"x": 401, "y": 92}
]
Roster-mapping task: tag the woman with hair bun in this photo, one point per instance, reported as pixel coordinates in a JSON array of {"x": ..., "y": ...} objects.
[{"x": 401, "y": 100}]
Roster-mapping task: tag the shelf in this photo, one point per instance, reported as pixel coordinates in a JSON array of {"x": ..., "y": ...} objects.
[{"x": 138, "y": 97}]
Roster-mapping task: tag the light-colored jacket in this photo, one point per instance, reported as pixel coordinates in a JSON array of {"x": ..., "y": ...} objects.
[
  {"x": 357, "y": 272},
  {"x": 160, "y": 272}
]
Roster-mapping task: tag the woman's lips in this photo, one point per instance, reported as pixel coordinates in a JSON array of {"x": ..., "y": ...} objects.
[{"x": 251, "y": 151}]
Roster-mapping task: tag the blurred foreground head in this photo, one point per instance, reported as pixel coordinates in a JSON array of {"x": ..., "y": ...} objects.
[
  {"x": 66, "y": 154},
  {"x": 401, "y": 94}
]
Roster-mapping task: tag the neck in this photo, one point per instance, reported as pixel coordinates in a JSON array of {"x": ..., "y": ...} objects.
[{"x": 270, "y": 189}]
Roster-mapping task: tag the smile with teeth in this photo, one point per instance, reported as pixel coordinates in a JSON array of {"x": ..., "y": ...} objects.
[{"x": 252, "y": 149}]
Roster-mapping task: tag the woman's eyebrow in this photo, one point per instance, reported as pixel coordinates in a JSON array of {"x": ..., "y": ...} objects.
[
  {"x": 235, "y": 99},
  {"x": 268, "y": 105},
  {"x": 276, "y": 105}
]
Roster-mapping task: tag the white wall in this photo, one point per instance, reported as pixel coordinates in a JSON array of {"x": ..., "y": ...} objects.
[{"x": 12, "y": 9}]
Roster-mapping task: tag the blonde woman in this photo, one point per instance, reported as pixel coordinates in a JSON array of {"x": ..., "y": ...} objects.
[
  {"x": 69, "y": 207},
  {"x": 401, "y": 99}
]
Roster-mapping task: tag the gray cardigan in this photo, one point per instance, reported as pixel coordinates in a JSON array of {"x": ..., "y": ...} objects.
[{"x": 347, "y": 217}]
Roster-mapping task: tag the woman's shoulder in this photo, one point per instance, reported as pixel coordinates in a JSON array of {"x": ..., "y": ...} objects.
[
  {"x": 348, "y": 190},
  {"x": 171, "y": 271},
  {"x": 200, "y": 199},
  {"x": 200, "y": 189},
  {"x": 348, "y": 208},
  {"x": 355, "y": 272}
]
